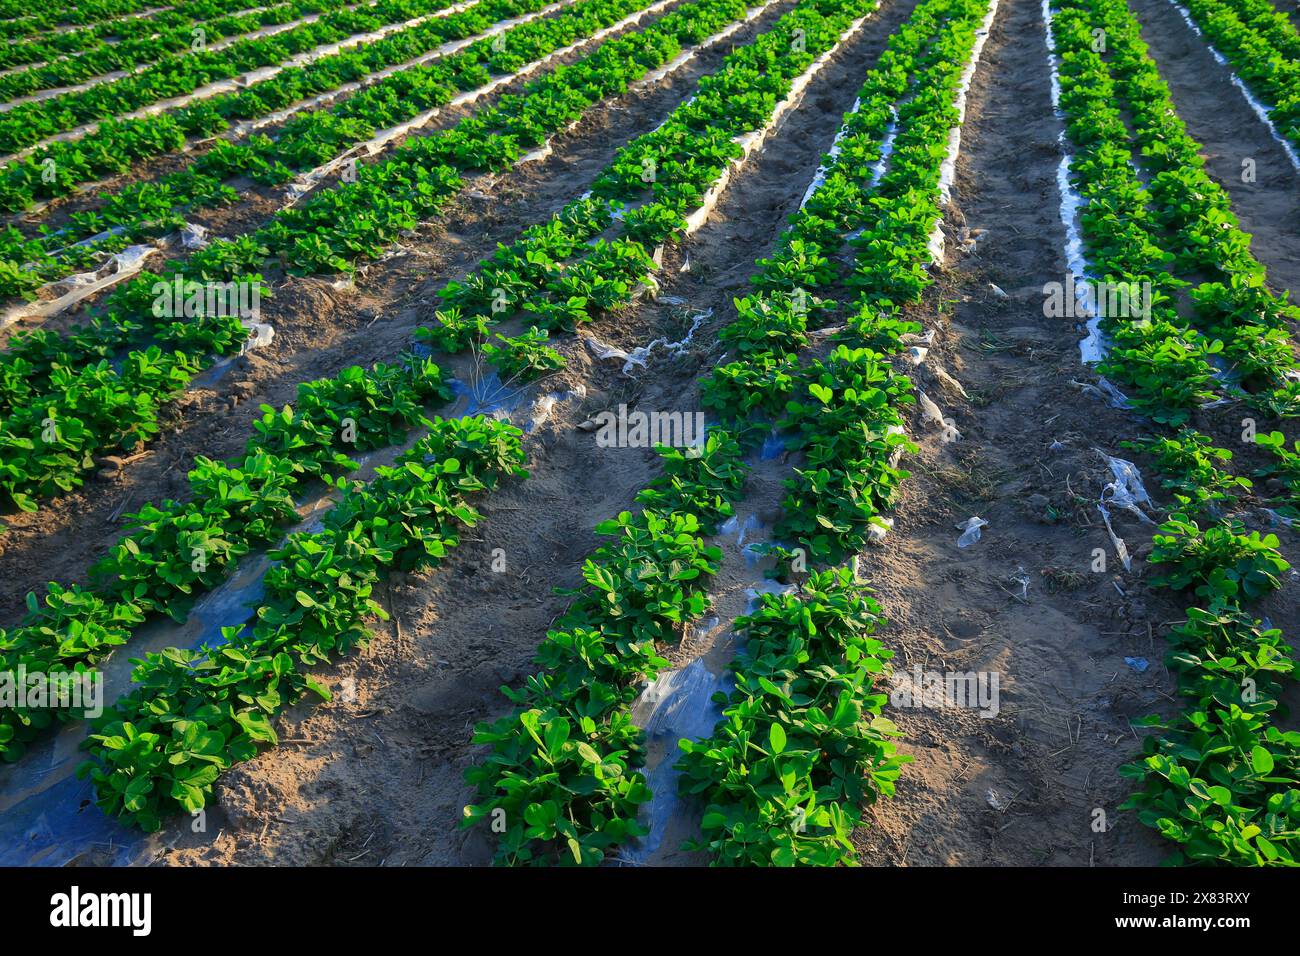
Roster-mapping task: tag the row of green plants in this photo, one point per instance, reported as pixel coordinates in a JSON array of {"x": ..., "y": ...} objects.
[
  {"x": 1263, "y": 46},
  {"x": 235, "y": 509},
  {"x": 174, "y": 552},
  {"x": 1175, "y": 236},
  {"x": 562, "y": 772},
  {"x": 196, "y": 713},
  {"x": 566, "y": 803},
  {"x": 127, "y": 54},
  {"x": 52, "y": 46},
  {"x": 64, "y": 167},
  {"x": 168, "y": 791},
  {"x": 593, "y": 255},
  {"x": 803, "y": 745},
  {"x": 148, "y": 209},
  {"x": 328, "y": 232},
  {"x": 177, "y": 74},
  {"x": 1218, "y": 779},
  {"x": 18, "y": 19}
]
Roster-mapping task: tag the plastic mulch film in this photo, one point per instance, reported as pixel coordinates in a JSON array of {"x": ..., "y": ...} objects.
[
  {"x": 47, "y": 816},
  {"x": 1260, "y": 110}
]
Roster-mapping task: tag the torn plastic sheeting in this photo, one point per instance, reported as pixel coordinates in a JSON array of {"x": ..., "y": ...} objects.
[
  {"x": 1126, "y": 492},
  {"x": 918, "y": 346},
  {"x": 1021, "y": 577},
  {"x": 193, "y": 236},
  {"x": 740, "y": 530},
  {"x": 931, "y": 412},
  {"x": 942, "y": 375},
  {"x": 260, "y": 336},
  {"x": 640, "y": 355},
  {"x": 119, "y": 266},
  {"x": 896, "y": 455},
  {"x": 1104, "y": 389},
  {"x": 970, "y": 531},
  {"x": 1261, "y": 111},
  {"x": 545, "y": 406},
  {"x": 486, "y": 395},
  {"x": 1278, "y": 519},
  {"x": 677, "y": 704},
  {"x": 773, "y": 446}
]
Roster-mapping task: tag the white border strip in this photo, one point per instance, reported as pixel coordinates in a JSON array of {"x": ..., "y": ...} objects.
[
  {"x": 948, "y": 169},
  {"x": 750, "y": 142},
  {"x": 1261, "y": 111},
  {"x": 215, "y": 47},
  {"x": 225, "y": 86},
  {"x": 87, "y": 284}
]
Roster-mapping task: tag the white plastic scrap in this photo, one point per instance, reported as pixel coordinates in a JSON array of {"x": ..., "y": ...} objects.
[
  {"x": 942, "y": 375},
  {"x": 639, "y": 355},
  {"x": 260, "y": 336},
  {"x": 1021, "y": 577},
  {"x": 970, "y": 531},
  {"x": 878, "y": 528},
  {"x": 545, "y": 405},
  {"x": 932, "y": 413},
  {"x": 119, "y": 266},
  {"x": 193, "y": 236},
  {"x": 1106, "y": 391},
  {"x": 918, "y": 345},
  {"x": 1126, "y": 492}
]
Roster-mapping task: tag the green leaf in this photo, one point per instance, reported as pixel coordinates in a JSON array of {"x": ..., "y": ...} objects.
[
  {"x": 1261, "y": 760},
  {"x": 776, "y": 737}
]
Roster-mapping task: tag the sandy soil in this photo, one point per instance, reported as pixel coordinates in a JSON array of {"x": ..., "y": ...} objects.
[
  {"x": 322, "y": 326},
  {"x": 376, "y": 777}
]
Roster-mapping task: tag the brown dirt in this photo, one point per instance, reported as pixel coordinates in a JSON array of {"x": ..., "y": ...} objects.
[
  {"x": 1218, "y": 117},
  {"x": 321, "y": 329},
  {"x": 465, "y": 631},
  {"x": 376, "y": 777},
  {"x": 257, "y": 204}
]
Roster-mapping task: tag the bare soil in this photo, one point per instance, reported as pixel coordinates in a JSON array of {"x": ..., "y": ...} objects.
[{"x": 375, "y": 777}]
